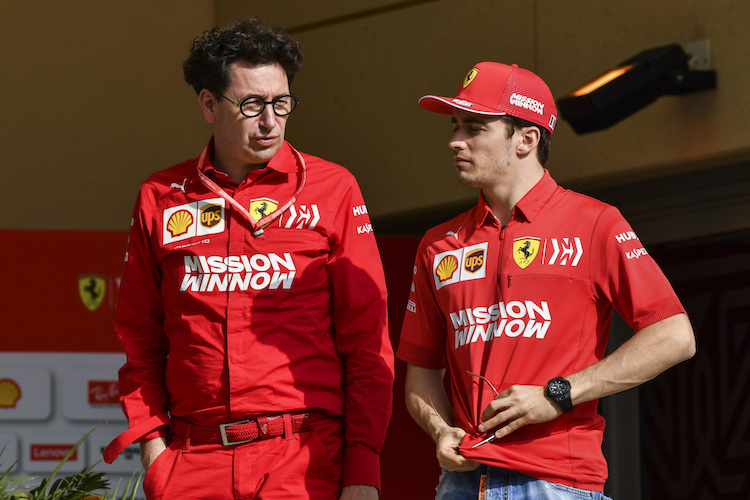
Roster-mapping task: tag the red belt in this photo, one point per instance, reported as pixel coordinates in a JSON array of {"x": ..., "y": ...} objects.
[{"x": 243, "y": 431}]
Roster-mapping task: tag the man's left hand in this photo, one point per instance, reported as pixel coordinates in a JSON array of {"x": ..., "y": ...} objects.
[
  {"x": 359, "y": 492},
  {"x": 518, "y": 406}
]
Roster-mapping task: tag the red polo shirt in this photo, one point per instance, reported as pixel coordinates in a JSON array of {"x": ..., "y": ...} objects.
[{"x": 524, "y": 303}]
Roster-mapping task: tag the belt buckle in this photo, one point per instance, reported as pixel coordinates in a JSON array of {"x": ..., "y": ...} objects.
[{"x": 223, "y": 431}]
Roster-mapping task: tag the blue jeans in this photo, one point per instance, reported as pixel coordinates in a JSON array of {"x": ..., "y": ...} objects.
[{"x": 503, "y": 484}]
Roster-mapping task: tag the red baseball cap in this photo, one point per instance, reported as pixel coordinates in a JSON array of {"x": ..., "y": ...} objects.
[{"x": 497, "y": 89}]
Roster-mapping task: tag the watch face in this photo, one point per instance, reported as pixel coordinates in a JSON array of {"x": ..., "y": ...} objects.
[
  {"x": 556, "y": 388},
  {"x": 559, "y": 390}
]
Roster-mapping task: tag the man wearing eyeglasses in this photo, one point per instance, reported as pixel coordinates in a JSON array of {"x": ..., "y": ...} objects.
[
  {"x": 253, "y": 305},
  {"x": 515, "y": 299}
]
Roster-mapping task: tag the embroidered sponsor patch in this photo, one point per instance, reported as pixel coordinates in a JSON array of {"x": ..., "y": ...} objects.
[
  {"x": 470, "y": 77},
  {"x": 198, "y": 218},
  {"x": 462, "y": 102},
  {"x": 301, "y": 217},
  {"x": 525, "y": 250},
  {"x": 261, "y": 207},
  {"x": 463, "y": 264}
]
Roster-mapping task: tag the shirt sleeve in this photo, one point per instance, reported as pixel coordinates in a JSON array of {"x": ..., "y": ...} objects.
[
  {"x": 139, "y": 325},
  {"x": 361, "y": 334},
  {"x": 625, "y": 275},
  {"x": 423, "y": 332}
]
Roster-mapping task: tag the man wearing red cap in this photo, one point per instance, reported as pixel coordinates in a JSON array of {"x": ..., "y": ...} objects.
[{"x": 515, "y": 298}]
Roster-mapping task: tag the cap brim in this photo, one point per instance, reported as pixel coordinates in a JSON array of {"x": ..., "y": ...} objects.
[{"x": 446, "y": 106}]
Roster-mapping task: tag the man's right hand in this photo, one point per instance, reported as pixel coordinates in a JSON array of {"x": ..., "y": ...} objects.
[
  {"x": 447, "y": 451},
  {"x": 151, "y": 449},
  {"x": 428, "y": 405}
]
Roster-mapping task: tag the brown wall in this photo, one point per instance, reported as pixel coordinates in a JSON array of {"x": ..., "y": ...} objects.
[
  {"x": 92, "y": 102},
  {"x": 95, "y": 99},
  {"x": 365, "y": 71}
]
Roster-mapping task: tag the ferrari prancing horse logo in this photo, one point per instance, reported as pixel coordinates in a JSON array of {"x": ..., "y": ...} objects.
[
  {"x": 92, "y": 288},
  {"x": 469, "y": 77},
  {"x": 525, "y": 251},
  {"x": 261, "y": 207}
]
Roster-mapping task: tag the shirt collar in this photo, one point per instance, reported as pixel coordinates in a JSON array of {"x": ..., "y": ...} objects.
[
  {"x": 483, "y": 212},
  {"x": 528, "y": 207},
  {"x": 283, "y": 161}
]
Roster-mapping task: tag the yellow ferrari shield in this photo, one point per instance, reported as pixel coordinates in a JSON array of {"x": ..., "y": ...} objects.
[
  {"x": 469, "y": 77},
  {"x": 525, "y": 250},
  {"x": 92, "y": 288},
  {"x": 261, "y": 207}
]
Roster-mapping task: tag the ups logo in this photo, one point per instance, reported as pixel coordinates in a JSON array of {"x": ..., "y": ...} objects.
[
  {"x": 474, "y": 261},
  {"x": 211, "y": 215}
]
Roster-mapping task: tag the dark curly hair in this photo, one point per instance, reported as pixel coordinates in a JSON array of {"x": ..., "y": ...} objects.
[{"x": 249, "y": 40}]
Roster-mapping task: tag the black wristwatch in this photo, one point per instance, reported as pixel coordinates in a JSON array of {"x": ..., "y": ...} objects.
[{"x": 559, "y": 390}]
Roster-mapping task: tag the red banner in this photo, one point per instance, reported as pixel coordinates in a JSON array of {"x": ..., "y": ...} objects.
[{"x": 59, "y": 290}]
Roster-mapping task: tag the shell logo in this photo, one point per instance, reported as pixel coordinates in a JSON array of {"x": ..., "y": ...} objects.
[
  {"x": 447, "y": 267},
  {"x": 10, "y": 393},
  {"x": 179, "y": 222}
]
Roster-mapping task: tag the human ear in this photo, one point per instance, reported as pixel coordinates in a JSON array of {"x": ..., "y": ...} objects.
[
  {"x": 208, "y": 105},
  {"x": 530, "y": 137}
]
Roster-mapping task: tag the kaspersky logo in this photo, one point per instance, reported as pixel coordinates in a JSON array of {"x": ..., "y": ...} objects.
[{"x": 464, "y": 264}]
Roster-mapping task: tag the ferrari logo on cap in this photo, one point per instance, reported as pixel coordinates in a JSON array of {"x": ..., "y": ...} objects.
[
  {"x": 525, "y": 251},
  {"x": 91, "y": 289},
  {"x": 470, "y": 77}
]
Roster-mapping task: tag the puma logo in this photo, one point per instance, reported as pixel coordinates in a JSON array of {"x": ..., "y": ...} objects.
[
  {"x": 455, "y": 235},
  {"x": 181, "y": 187}
]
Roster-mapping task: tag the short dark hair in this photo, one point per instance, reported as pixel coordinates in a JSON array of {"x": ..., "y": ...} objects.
[
  {"x": 545, "y": 137},
  {"x": 249, "y": 40}
]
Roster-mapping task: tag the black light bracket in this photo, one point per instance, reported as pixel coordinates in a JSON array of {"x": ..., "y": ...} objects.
[{"x": 632, "y": 85}]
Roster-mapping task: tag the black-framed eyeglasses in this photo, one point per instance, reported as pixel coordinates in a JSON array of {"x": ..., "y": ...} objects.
[{"x": 253, "y": 106}]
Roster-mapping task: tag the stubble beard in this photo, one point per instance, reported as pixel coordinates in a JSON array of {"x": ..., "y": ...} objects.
[
  {"x": 483, "y": 178},
  {"x": 468, "y": 179}
]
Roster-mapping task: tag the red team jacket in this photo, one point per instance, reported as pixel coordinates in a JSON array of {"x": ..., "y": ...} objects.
[
  {"x": 220, "y": 325},
  {"x": 523, "y": 304}
]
